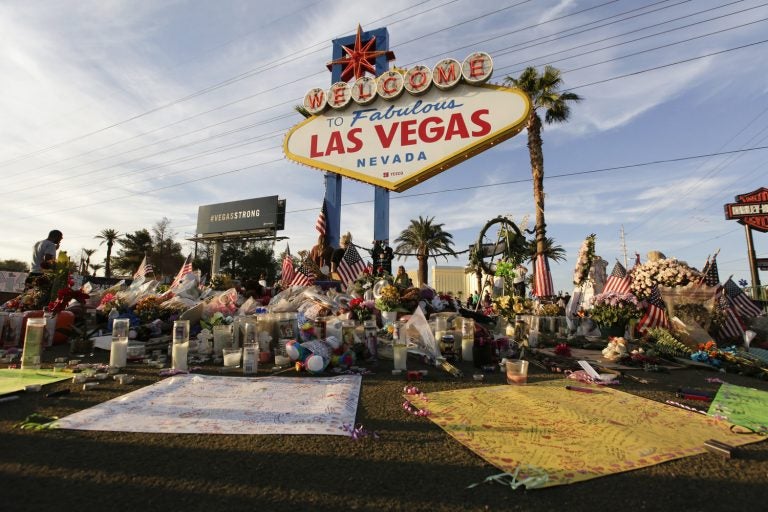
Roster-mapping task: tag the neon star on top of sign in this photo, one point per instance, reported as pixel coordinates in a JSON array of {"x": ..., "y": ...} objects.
[{"x": 360, "y": 58}]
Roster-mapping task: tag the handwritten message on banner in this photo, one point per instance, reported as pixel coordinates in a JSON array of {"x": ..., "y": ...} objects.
[
  {"x": 203, "y": 404},
  {"x": 546, "y": 430}
]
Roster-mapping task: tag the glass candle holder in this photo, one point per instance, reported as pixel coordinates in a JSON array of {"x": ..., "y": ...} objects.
[{"x": 33, "y": 344}]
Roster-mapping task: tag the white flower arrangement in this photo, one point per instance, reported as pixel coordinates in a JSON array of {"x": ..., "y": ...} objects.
[
  {"x": 663, "y": 272},
  {"x": 584, "y": 261}
]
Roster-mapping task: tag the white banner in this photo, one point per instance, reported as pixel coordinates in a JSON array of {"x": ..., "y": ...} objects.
[{"x": 12, "y": 282}]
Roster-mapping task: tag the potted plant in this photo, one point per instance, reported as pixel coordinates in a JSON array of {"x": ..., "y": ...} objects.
[
  {"x": 612, "y": 312},
  {"x": 388, "y": 303}
]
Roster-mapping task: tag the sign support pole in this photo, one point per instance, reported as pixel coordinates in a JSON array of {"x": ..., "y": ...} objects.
[
  {"x": 752, "y": 259},
  {"x": 333, "y": 208},
  {"x": 381, "y": 214},
  {"x": 332, "y": 180},
  {"x": 218, "y": 248}
]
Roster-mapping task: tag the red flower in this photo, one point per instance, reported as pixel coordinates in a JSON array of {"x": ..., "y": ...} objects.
[{"x": 562, "y": 350}]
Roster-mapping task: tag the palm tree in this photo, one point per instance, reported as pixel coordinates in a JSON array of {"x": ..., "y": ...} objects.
[
  {"x": 552, "y": 251},
  {"x": 108, "y": 236},
  {"x": 87, "y": 253},
  {"x": 96, "y": 267},
  {"x": 425, "y": 240},
  {"x": 544, "y": 92}
]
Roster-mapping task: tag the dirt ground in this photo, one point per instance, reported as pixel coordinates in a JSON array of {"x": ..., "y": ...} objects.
[{"x": 413, "y": 465}]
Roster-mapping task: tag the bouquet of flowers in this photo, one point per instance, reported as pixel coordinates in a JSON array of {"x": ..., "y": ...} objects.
[
  {"x": 361, "y": 309},
  {"x": 664, "y": 272},
  {"x": 64, "y": 296},
  {"x": 111, "y": 301},
  {"x": 508, "y": 306},
  {"x": 148, "y": 308},
  {"x": 584, "y": 261},
  {"x": 613, "y": 308},
  {"x": 389, "y": 300}
]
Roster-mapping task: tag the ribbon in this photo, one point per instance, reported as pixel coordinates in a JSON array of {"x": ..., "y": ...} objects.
[
  {"x": 37, "y": 422},
  {"x": 356, "y": 433},
  {"x": 533, "y": 478}
]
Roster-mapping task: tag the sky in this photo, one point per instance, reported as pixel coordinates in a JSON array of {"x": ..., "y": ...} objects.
[{"x": 115, "y": 114}]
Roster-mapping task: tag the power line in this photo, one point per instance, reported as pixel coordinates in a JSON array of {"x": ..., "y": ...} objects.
[
  {"x": 637, "y": 39},
  {"x": 280, "y": 62},
  {"x": 155, "y": 154},
  {"x": 655, "y": 68},
  {"x": 186, "y": 98},
  {"x": 277, "y": 62}
]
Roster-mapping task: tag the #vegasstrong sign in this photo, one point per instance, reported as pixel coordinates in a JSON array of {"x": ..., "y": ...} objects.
[{"x": 402, "y": 128}]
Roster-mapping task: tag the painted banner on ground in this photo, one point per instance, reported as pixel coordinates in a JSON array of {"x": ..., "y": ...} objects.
[{"x": 204, "y": 404}]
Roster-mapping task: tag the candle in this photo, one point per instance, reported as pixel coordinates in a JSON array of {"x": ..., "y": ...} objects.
[
  {"x": 466, "y": 349},
  {"x": 222, "y": 337},
  {"x": 179, "y": 356},
  {"x": 400, "y": 355},
  {"x": 33, "y": 344},
  {"x": 118, "y": 354},
  {"x": 232, "y": 357}
]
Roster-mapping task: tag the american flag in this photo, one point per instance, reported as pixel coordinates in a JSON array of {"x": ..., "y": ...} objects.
[
  {"x": 303, "y": 276},
  {"x": 144, "y": 269},
  {"x": 287, "y": 271},
  {"x": 186, "y": 268},
  {"x": 542, "y": 284},
  {"x": 742, "y": 304},
  {"x": 351, "y": 265},
  {"x": 655, "y": 315},
  {"x": 731, "y": 326},
  {"x": 321, "y": 225},
  {"x": 619, "y": 281},
  {"x": 711, "y": 276}
]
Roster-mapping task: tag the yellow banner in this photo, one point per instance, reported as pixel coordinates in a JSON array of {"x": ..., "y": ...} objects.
[{"x": 570, "y": 436}]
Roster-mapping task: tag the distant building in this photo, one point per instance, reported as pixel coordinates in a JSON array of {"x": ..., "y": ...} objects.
[{"x": 450, "y": 279}]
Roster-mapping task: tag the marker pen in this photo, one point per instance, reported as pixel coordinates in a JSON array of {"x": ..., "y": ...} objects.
[{"x": 582, "y": 390}]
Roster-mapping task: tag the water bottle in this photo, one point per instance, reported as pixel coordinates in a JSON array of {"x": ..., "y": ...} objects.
[{"x": 250, "y": 359}]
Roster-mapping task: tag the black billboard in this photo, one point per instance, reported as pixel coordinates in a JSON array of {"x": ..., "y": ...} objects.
[{"x": 245, "y": 215}]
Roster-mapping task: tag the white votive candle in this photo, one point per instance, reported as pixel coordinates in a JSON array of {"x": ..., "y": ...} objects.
[
  {"x": 466, "y": 349},
  {"x": 179, "y": 356},
  {"x": 118, "y": 354},
  {"x": 400, "y": 353}
]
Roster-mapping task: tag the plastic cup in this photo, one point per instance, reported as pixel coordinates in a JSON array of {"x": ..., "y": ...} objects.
[{"x": 517, "y": 372}]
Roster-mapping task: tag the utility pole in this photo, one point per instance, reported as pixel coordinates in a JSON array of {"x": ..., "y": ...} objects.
[{"x": 624, "y": 246}]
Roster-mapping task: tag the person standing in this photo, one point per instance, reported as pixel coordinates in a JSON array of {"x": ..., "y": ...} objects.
[
  {"x": 519, "y": 280},
  {"x": 44, "y": 252},
  {"x": 401, "y": 279}
]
